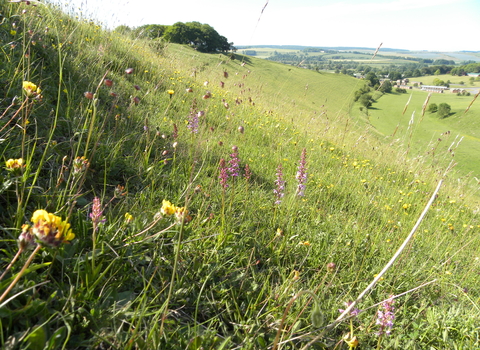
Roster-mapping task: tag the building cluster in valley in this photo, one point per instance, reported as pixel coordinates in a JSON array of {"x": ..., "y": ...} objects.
[{"x": 408, "y": 85}]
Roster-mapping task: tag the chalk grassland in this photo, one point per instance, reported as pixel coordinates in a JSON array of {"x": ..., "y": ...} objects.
[
  {"x": 431, "y": 137},
  {"x": 216, "y": 203},
  {"x": 298, "y": 92}
]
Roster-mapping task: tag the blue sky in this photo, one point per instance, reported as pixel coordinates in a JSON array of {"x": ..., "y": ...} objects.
[{"x": 443, "y": 25}]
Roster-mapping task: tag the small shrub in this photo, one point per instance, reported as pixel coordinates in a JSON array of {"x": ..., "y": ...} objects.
[
  {"x": 432, "y": 108},
  {"x": 444, "y": 110}
]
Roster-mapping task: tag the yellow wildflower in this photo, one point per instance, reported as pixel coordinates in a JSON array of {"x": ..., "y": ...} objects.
[
  {"x": 170, "y": 92},
  {"x": 128, "y": 218},
  {"x": 31, "y": 89},
  {"x": 14, "y": 164},
  {"x": 352, "y": 342},
  {"x": 49, "y": 229},
  {"x": 167, "y": 208}
]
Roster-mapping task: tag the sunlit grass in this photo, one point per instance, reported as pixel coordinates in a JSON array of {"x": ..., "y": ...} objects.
[{"x": 126, "y": 144}]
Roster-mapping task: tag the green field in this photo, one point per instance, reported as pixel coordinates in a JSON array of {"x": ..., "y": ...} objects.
[
  {"x": 265, "y": 52},
  {"x": 364, "y": 56},
  {"x": 454, "y": 79},
  {"x": 423, "y": 134},
  {"x": 156, "y": 197}
]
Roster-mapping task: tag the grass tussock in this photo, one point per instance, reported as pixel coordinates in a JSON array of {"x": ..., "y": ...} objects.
[{"x": 155, "y": 197}]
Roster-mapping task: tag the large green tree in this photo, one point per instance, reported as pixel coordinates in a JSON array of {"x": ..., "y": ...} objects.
[
  {"x": 372, "y": 79},
  {"x": 386, "y": 86},
  {"x": 443, "y": 110},
  {"x": 200, "y": 36},
  {"x": 152, "y": 31},
  {"x": 439, "y": 82},
  {"x": 394, "y": 75},
  {"x": 177, "y": 33}
]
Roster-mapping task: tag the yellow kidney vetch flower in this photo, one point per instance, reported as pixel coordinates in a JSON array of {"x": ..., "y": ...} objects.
[
  {"x": 181, "y": 213},
  {"x": 352, "y": 341},
  {"x": 13, "y": 164},
  {"x": 50, "y": 229},
  {"x": 167, "y": 208},
  {"x": 47, "y": 230},
  {"x": 128, "y": 218},
  {"x": 31, "y": 89}
]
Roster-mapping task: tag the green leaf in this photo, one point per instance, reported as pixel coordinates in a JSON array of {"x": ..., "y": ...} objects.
[
  {"x": 195, "y": 343},
  {"x": 36, "y": 339},
  {"x": 224, "y": 344},
  {"x": 56, "y": 338}
]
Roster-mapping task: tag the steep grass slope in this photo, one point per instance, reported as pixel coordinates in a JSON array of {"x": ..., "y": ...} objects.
[
  {"x": 440, "y": 141},
  {"x": 213, "y": 203}
]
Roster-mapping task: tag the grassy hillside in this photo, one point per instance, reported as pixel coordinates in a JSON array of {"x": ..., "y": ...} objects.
[
  {"x": 453, "y": 140},
  {"x": 152, "y": 197}
]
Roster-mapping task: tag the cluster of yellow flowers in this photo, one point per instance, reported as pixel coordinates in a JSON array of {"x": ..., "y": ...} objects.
[
  {"x": 181, "y": 213},
  {"x": 32, "y": 90},
  {"x": 128, "y": 218},
  {"x": 14, "y": 164},
  {"x": 48, "y": 229}
]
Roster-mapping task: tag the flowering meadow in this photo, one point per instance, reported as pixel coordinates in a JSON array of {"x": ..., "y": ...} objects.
[{"x": 155, "y": 197}]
